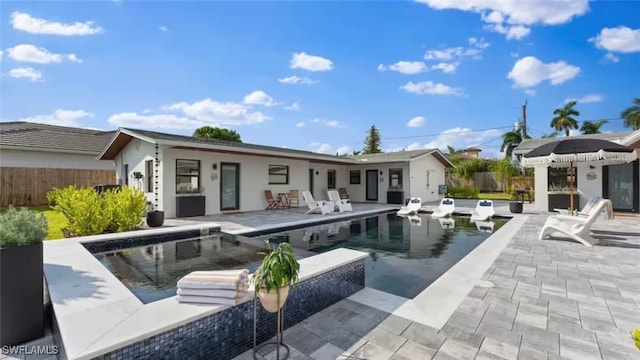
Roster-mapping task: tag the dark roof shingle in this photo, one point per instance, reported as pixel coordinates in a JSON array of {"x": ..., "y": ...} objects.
[{"x": 61, "y": 138}]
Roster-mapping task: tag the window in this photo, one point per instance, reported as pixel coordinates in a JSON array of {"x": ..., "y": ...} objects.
[
  {"x": 354, "y": 177},
  {"x": 331, "y": 179},
  {"x": 187, "y": 176},
  {"x": 148, "y": 165},
  {"x": 395, "y": 179},
  {"x": 125, "y": 176},
  {"x": 558, "y": 179},
  {"x": 278, "y": 174}
]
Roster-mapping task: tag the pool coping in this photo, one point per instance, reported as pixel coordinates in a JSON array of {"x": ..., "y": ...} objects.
[
  {"x": 83, "y": 292},
  {"x": 435, "y": 304}
]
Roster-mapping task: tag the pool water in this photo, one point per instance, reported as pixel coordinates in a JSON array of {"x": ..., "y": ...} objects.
[
  {"x": 406, "y": 254},
  {"x": 151, "y": 272}
]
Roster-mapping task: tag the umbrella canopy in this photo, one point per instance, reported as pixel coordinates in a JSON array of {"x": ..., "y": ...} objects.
[{"x": 569, "y": 151}]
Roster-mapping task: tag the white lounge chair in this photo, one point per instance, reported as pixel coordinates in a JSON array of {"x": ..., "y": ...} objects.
[
  {"x": 585, "y": 210},
  {"x": 325, "y": 207},
  {"x": 414, "y": 220},
  {"x": 484, "y": 211},
  {"x": 342, "y": 204},
  {"x": 577, "y": 228},
  {"x": 412, "y": 208},
  {"x": 485, "y": 226},
  {"x": 447, "y": 223},
  {"x": 446, "y": 208}
]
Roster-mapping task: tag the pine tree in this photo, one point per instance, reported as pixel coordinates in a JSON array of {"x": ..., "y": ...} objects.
[{"x": 372, "y": 142}]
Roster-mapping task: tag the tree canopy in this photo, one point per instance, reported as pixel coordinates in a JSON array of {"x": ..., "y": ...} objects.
[
  {"x": 564, "y": 120},
  {"x": 592, "y": 127},
  {"x": 372, "y": 142},
  {"x": 631, "y": 115},
  {"x": 510, "y": 141},
  {"x": 209, "y": 132}
]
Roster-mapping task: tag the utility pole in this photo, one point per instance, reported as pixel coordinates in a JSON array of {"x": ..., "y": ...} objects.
[{"x": 524, "y": 120}]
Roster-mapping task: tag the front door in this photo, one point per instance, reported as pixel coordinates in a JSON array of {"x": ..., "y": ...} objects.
[
  {"x": 311, "y": 181},
  {"x": 229, "y": 186},
  {"x": 372, "y": 185},
  {"x": 620, "y": 185}
]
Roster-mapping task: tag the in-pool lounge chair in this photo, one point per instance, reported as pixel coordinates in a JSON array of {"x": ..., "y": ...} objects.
[
  {"x": 342, "y": 204},
  {"x": 485, "y": 226},
  {"x": 577, "y": 228},
  {"x": 414, "y": 220},
  {"x": 325, "y": 207},
  {"x": 412, "y": 208},
  {"x": 446, "y": 208},
  {"x": 447, "y": 223},
  {"x": 484, "y": 211}
]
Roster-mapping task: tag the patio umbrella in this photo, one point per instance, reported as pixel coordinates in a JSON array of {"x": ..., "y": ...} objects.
[{"x": 564, "y": 153}]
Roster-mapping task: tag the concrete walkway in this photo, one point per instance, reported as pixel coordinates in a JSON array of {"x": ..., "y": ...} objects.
[{"x": 542, "y": 300}]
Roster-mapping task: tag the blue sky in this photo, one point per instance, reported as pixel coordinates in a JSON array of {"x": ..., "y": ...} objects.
[{"x": 316, "y": 75}]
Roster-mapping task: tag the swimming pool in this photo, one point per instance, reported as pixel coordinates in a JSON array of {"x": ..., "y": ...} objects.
[{"x": 405, "y": 254}]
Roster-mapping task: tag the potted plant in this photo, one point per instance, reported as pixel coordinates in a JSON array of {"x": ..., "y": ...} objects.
[
  {"x": 21, "y": 269},
  {"x": 279, "y": 269},
  {"x": 155, "y": 218}
]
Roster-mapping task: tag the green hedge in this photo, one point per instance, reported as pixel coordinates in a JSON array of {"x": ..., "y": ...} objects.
[
  {"x": 91, "y": 213},
  {"x": 462, "y": 192}
]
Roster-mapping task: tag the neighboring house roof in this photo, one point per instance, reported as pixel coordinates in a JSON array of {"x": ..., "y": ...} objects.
[
  {"x": 529, "y": 144},
  {"x": 632, "y": 139},
  {"x": 473, "y": 148},
  {"x": 32, "y": 136},
  {"x": 124, "y": 135},
  {"x": 402, "y": 156}
]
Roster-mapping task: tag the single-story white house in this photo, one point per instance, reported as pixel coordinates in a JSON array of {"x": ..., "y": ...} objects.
[
  {"x": 619, "y": 183},
  {"x": 213, "y": 176}
]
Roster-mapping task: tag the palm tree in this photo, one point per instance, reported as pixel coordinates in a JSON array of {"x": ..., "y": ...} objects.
[
  {"x": 592, "y": 127},
  {"x": 550, "y": 135},
  {"x": 564, "y": 120},
  {"x": 631, "y": 115},
  {"x": 510, "y": 140}
]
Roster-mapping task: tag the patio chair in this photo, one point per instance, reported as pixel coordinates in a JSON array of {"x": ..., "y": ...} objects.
[
  {"x": 413, "y": 207},
  {"x": 484, "y": 211},
  {"x": 445, "y": 209},
  {"x": 294, "y": 200},
  {"x": 271, "y": 202},
  {"x": 585, "y": 210},
  {"x": 576, "y": 228},
  {"x": 326, "y": 207},
  {"x": 342, "y": 204},
  {"x": 343, "y": 193}
]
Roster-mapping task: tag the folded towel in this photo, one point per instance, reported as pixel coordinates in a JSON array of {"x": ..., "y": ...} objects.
[
  {"x": 188, "y": 284},
  {"x": 215, "y": 279},
  {"x": 215, "y": 293},
  {"x": 206, "y": 300},
  {"x": 238, "y": 272}
]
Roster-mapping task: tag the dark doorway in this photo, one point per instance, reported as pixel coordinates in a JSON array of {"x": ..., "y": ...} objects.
[{"x": 372, "y": 185}]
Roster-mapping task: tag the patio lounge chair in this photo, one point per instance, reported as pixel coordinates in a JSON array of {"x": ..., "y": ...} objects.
[
  {"x": 343, "y": 193},
  {"x": 412, "y": 208},
  {"x": 484, "y": 211},
  {"x": 576, "y": 228},
  {"x": 271, "y": 202},
  {"x": 325, "y": 207},
  {"x": 585, "y": 210},
  {"x": 446, "y": 208},
  {"x": 342, "y": 204},
  {"x": 293, "y": 198}
]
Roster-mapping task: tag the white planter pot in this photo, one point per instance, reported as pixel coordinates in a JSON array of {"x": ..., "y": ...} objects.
[{"x": 269, "y": 300}]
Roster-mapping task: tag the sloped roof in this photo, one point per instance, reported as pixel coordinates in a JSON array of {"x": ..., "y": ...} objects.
[
  {"x": 396, "y": 156},
  {"x": 530, "y": 144},
  {"x": 56, "y": 138}
]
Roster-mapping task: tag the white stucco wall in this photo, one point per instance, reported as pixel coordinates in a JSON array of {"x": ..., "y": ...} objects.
[
  {"x": 42, "y": 159},
  {"x": 418, "y": 181},
  {"x": 320, "y": 181},
  {"x": 588, "y": 188},
  {"x": 357, "y": 193},
  {"x": 540, "y": 178},
  {"x": 135, "y": 154}
]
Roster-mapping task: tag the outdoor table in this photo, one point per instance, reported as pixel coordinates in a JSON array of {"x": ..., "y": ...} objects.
[{"x": 284, "y": 199}]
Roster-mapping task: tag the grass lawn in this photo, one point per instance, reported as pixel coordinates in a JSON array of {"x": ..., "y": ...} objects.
[
  {"x": 55, "y": 220},
  {"x": 494, "y": 196}
]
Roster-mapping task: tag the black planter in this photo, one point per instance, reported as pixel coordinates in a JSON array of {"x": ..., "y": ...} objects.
[
  {"x": 515, "y": 207},
  {"x": 563, "y": 201},
  {"x": 155, "y": 218},
  {"x": 188, "y": 206},
  {"x": 21, "y": 294}
]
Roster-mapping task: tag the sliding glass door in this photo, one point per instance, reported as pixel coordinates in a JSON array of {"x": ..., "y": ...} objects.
[
  {"x": 229, "y": 186},
  {"x": 620, "y": 185}
]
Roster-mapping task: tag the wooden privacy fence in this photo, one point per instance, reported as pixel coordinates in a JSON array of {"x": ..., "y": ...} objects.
[
  {"x": 521, "y": 182},
  {"x": 29, "y": 186}
]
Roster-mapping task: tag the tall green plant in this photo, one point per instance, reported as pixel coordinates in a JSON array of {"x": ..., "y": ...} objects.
[
  {"x": 84, "y": 209},
  {"x": 564, "y": 117},
  {"x": 504, "y": 169},
  {"x": 20, "y": 227},
  {"x": 127, "y": 206},
  {"x": 592, "y": 127},
  {"x": 372, "y": 142},
  {"x": 279, "y": 268},
  {"x": 631, "y": 115}
]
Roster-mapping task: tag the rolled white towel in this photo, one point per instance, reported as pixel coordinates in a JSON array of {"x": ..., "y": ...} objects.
[
  {"x": 227, "y": 294},
  {"x": 206, "y": 300}
]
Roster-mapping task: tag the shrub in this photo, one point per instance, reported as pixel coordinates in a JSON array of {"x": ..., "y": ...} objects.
[
  {"x": 635, "y": 334},
  {"x": 462, "y": 192},
  {"x": 127, "y": 206},
  {"x": 84, "y": 209},
  {"x": 22, "y": 226}
]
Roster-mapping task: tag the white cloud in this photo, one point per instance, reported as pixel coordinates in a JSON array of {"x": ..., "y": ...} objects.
[
  {"x": 25, "y": 22},
  {"x": 514, "y": 55},
  {"x": 322, "y": 148},
  {"x": 405, "y": 67},
  {"x": 430, "y": 88},
  {"x": 1, "y": 54},
  {"x": 621, "y": 39},
  {"x": 531, "y": 92},
  {"x": 417, "y": 121},
  {"x": 344, "y": 150},
  {"x": 450, "y": 58},
  {"x": 300, "y": 124},
  {"x": 292, "y": 106},
  {"x": 162, "y": 121},
  {"x": 259, "y": 97},
  {"x": 33, "y": 54},
  {"x": 447, "y": 68},
  {"x": 296, "y": 80},
  {"x": 29, "y": 73},
  {"x": 308, "y": 62},
  {"x": 593, "y": 98},
  {"x": 612, "y": 58},
  {"x": 514, "y": 18},
  {"x": 479, "y": 43},
  {"x": 328, "y": 123},
  {"x": 529, "y": 72},
  {"x": 163, "y": 28},
  {"x": 211, "y": 112},
  {"x": 60, "y": 117}
]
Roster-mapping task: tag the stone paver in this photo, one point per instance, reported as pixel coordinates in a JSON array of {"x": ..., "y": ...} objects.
[{"x": 551, "y": 299}]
